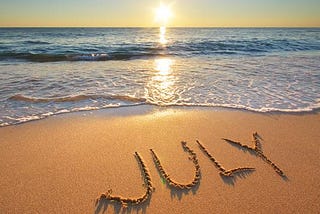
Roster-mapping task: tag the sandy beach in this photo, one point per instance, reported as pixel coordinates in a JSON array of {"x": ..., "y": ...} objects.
[{"x": 64, "y": 163}]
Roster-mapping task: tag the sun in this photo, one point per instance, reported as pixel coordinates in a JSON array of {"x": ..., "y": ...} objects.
[{"x": 162, "y": 14}]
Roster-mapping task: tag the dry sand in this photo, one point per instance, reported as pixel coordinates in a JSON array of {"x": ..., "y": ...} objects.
[{"x": 63, "y": 163}]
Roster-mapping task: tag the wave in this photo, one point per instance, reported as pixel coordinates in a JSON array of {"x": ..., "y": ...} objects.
[
  {"x": 60, "y": 105},
  {"x": 39, "y": 108},
  {"x": 44, "y": 57},
  {"x": 136, "y": 100},
  {"x": 313, "y": 108},
  {"x": 37, "y": 42},
  {"x": 34, "y": 57},
  {"x": 244, "y": 46},
  {"x": 7, "y": 120},
  {"x": 128, "y": 51},
  {"x": 19, "y": 97}
]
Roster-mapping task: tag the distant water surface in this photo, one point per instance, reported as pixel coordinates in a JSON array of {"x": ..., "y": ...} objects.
[{"x": 47, "y": 71}]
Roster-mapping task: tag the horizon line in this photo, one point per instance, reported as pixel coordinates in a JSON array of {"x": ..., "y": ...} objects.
[{"x": 159, "y": 26}]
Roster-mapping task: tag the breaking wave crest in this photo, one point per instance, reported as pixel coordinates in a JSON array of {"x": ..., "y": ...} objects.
[
  {"x": 44, "y": 108},
  {"x": 25, "y": 109},
  {"x": 39, "y": 51},
  {"x": 46, "y": 57},
  {"x": 19, "y": 97}
]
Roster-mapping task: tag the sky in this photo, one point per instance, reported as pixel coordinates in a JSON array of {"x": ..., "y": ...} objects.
[{"x": 141, "y": 13}]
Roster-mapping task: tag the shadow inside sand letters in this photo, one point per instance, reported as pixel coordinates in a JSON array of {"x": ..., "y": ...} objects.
[{"x": 177, "y": 189}]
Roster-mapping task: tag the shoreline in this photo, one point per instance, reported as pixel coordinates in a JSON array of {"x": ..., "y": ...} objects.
[
  {"x": 147, "y": 108},
  {"x": 62, "y": 164}
]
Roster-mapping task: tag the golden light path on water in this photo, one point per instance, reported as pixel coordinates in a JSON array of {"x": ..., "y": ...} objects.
[
  {"x": 161, "y": 87},
  {"x": 162, "y": 36},
  {"x": 162, "y": 15}
]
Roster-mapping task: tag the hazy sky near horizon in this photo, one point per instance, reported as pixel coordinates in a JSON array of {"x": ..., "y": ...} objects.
[{"x": 186, "y": 13}]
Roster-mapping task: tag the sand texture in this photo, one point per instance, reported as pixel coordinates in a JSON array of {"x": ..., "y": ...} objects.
[{"x": 165, "y": 160}]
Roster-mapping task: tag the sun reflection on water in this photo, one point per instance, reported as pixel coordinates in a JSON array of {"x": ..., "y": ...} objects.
[
  {"x": 162, "y": 36},
  {"x": 163, "y": 66},
  {"x": 161, "y": 89}
]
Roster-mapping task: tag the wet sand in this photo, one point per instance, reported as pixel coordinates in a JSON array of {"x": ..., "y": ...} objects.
[{"x": 64, "y": 163}]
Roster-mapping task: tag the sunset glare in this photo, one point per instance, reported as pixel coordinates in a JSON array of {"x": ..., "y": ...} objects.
[
  {"x": 163, "y": 13},
  {"x": 144, "y": 13}
]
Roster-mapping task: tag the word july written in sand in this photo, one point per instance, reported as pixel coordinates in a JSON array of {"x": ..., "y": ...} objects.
[{"x": 255, "y": 150}]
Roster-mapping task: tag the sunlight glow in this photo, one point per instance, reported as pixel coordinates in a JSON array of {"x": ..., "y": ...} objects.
[
  {"x": 161, "y": 88},
  {"x": 163, "y": 13},
  {"x": 162, "y": 35},
  {"x": 163, "y": 66}
]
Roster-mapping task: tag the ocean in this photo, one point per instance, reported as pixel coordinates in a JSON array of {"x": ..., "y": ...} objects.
[{"x": 49, "y": 71}]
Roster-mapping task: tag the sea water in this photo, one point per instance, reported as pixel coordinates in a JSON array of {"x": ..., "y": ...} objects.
[{"x": 48, "y": 71}]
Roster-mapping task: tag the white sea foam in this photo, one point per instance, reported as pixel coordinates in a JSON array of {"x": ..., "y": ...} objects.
[{"x": 262, "y": 70}]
